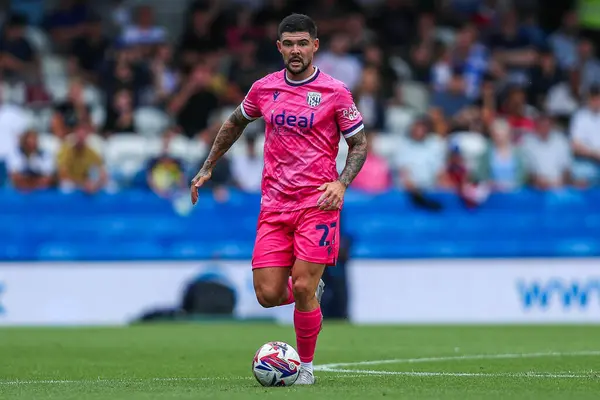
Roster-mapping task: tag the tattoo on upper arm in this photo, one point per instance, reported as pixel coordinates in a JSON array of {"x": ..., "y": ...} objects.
[
  {"x": 230, "y": 132},
  {"x": 357, "y": 154}
]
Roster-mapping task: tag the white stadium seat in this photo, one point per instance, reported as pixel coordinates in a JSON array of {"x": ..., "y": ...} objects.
[
  {"x": 126, "y": 154},
  {"x": 149, "y": 121}
]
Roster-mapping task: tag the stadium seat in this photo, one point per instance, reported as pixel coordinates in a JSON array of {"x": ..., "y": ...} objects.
[
  {"x": 49, "y": 143},
  {"x": 149, "y": 121},
  {"x": 398, "y": 120},
  {"x": 415, "y": 95},
  {"x": 126, "y": 154},
  {"x": 38, "y": 39}
]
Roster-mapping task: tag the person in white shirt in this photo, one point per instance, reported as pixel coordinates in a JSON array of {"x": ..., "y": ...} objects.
[
  {"x": 585, "y": 141},
  {"x": 29, "y": 167},
  {"x": 339, "y": 63},
  {"x": 144, "y": 32},
  {"x": 547, "y": 155},
  {"x": 247, "y": 168}
]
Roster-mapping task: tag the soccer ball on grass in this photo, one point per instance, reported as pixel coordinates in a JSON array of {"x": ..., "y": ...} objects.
[{"x": 276, "y": 364}]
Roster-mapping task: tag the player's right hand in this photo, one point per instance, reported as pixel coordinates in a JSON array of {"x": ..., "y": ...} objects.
[{"x": 201, "y": 177}]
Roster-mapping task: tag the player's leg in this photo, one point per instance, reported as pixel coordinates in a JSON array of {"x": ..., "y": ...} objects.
[
  {"x": 308, "y": 318},
  {"x": 316, "y": 244},
  {"x": 272, "y": 259},
  {"x": 272, "y": 286}
]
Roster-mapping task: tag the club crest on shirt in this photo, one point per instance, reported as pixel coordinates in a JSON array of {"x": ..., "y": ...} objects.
[{"x": 313, "y": 99}]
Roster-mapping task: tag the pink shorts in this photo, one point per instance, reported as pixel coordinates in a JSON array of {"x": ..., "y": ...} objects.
[{"x": 309, "y": 234}]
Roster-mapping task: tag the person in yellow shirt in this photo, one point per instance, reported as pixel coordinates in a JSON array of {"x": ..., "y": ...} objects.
[{"x": 80, "y": 166}]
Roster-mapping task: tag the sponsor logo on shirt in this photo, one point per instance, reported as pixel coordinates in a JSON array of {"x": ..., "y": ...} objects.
[
  {"x": 286, "y": 120},
  {"x": 351, "y": 113}
]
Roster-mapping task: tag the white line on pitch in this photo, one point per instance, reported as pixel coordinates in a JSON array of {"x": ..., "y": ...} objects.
[
  {"x": 461, "y": 374},
  {"x": 334, "y": 367}
]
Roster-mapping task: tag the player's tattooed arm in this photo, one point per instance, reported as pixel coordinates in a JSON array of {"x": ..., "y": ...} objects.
[
  {"x": 230, "y": 132},
  {"x": 357, "y": 154}
]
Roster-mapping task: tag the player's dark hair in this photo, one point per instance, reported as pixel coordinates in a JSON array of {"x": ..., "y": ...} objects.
[{"x": 298, "y": 23}]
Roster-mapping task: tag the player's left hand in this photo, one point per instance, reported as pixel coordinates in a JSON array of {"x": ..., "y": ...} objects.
[{"x": 332, "y": 197}]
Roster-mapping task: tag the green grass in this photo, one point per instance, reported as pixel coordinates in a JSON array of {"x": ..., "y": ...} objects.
[{"x": 212, "y": 361}]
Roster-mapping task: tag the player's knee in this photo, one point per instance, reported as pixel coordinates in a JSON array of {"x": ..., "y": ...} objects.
[
  {"x": 303, "y": 290},
  {"x": 268, "y": 296}
]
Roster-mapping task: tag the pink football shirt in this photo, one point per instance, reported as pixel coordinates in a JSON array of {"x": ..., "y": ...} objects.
[{"x": 303, "y": 121}]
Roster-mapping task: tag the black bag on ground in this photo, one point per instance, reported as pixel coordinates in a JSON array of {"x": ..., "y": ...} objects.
[{"x": 208, "y": 298}]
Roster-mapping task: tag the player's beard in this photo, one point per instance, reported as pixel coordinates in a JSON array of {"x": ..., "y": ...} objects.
[{"x": 298, "y": 70}]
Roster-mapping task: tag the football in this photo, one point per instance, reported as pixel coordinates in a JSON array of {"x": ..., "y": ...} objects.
[{"x": 276, "y": 364}]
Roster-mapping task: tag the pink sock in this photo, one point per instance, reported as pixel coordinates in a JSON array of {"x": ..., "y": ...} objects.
[
  {"x": 307, "y": 326},
  {"x": 290, "y": 298}
]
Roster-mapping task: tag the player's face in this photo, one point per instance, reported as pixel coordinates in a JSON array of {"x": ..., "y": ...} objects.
[{"x": 297, "y": 49}]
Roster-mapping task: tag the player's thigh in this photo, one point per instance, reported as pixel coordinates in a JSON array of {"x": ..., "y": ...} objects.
[
  {"x": 317, "y": 237},
  {"x": 274, "y": 245}
]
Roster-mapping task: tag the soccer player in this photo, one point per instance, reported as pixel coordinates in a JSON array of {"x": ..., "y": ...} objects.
[{"x": 304, "y": 111}]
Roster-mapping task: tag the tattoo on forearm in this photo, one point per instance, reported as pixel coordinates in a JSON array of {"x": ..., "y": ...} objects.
[
  {"x": 357, "y": 154},
  {"x": 230, "y": 131}
]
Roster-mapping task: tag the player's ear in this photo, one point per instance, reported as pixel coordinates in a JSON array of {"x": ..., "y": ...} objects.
[
  {"x": 316, "y": 44},
  {"x": 279, "y": 45}
]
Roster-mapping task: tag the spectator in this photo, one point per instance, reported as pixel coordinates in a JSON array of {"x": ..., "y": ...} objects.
[
  {"x": 421, "y": 59},
  {"x": 144, "y": 32},
  {"x": 502, "y": 164},
  {"x": 369, "y": 100},
  {"x": 359, "y": 35},
  {"x": 246, "y": 168},
  {"x": 14, "y": 121},
  {"x": 242, "y": 28},
  {"x": 194, "y": 102},
  {"x": 519, "y": 114},
  {"x": 165, "y": 174},
  {"x": 164, "y": 74},
  {"x": 547, "y": 156},
  {"x": 513, "y": 49},
  {"x": 564, "y": 41},
  {"x": 267, "y": 54},
  {"x": 453, "y": 99},
  {"x": 585, "y": 141},
  {"x": 375, "y": 175},
  {"x": 246, "y": 69},
  {"x": 88, "y": 51},
  {"x": 65, "y": 23},
  {"x": 396, "y": 22},
  {"x": 119, "y": 116},
  {"x": 544, "y": 76},
  {"x": 127, "y": 71},
  {"x": 420, "y": 159},
  {"x": 18, "y": 60},
  {"x": 72, "y": 112},
  {"x": 373, "y": 57},
  {"x": 472, "y": 57},
  {"x": 588, "y": 64},
  {"x": 79, "y": 166},
  {"x": 338, "y": 63},
  {"x": 29, "y": 167},
  {"x": 201, "y": 35}
]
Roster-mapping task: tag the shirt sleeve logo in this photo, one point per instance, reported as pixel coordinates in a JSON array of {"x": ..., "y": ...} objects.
[{"x": 351, "y": 113}]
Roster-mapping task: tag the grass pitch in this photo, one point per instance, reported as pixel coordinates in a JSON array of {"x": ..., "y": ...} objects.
[{"x": 212, "y": 361}]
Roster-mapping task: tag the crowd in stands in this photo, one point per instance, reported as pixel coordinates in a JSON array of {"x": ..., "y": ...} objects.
[{"x": 475, "y": 99}]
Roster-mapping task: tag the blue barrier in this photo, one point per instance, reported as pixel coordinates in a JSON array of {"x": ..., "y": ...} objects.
[{"x": 137, "y": 225}]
